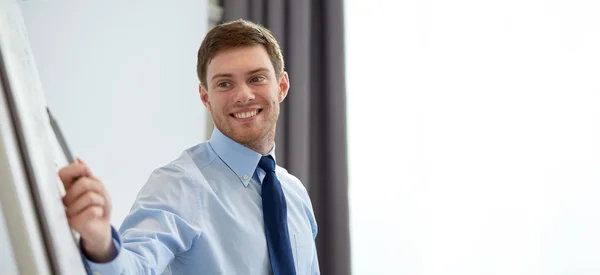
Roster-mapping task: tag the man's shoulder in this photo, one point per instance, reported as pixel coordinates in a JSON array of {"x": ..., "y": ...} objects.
[
  {"x": 174, "y": 186},
  {"x": 192, "y": 158},
  {"x": 284, "y": 173},
  {"x": 292, "y": 182},
  {"x": 188, "y": 164}
]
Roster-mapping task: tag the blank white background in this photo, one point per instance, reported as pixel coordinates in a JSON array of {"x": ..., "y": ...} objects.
[
  {"x": 120, "y": 78},
  {"x": 474, "y": 132}
]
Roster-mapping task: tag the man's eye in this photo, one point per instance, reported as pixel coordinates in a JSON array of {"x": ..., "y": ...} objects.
[
  {"x": 223, "y": 84},
  {"x": 257, "y": 79}
]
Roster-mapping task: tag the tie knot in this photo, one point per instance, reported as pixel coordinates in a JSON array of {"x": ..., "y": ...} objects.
[{"x": 267, "y": 163}]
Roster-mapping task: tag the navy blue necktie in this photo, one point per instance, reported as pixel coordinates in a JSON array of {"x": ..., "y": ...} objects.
[{"x": 275, "y": 216}]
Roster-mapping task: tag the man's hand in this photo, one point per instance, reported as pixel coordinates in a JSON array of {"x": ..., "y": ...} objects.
[{"x": 88, "y": 209}]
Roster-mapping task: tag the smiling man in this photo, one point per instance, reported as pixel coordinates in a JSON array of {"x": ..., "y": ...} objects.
[{"x": 223, "y": 206}]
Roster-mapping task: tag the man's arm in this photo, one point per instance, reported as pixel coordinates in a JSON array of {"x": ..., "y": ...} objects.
[
  {"x": 160, "y": 225},
  {"x": 315, "y": 231},
  {"x": 315, "y": 264}
]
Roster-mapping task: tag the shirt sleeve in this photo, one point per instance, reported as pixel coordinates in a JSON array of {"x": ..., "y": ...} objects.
[
  {"x": 315, "y": 264},
  {"x": 315, "y": 231},
  {"x": 161, "y": 224}
]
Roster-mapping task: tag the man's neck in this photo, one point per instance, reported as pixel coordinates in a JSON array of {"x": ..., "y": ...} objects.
[{"x": 263, "y": 145}]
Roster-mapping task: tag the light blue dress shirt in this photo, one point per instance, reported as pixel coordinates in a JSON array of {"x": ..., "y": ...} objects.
[{"x": 202, "y": 214}]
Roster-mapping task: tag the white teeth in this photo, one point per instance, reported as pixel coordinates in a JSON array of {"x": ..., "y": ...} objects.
[{"x": 246, "y": 114}]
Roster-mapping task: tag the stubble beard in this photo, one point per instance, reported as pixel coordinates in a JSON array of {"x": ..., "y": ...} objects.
[{"x": 261, "y": 142}]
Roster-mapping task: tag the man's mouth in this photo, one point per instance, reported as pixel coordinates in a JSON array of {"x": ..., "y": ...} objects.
[{"x": 247, "y": 114}]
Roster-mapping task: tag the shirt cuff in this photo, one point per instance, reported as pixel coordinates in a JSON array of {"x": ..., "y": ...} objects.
[{"x": 114, "y": 266}]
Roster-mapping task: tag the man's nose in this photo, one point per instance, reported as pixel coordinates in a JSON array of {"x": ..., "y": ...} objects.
[{"x": 244, "y": 94}]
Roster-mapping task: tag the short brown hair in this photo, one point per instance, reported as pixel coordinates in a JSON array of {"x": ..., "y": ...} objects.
[{"x": 234, "y": 34}]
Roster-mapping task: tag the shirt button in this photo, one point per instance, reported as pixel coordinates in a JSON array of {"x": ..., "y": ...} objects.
[
  {"x": 245, "y": 177},
  {"x": 97, "y": 273}
]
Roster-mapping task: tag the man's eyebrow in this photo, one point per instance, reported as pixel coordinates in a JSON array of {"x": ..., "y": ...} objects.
[
  {"x": 221, "y": 75},
  {"x": 248, "y": 73},
  {"x": 257, "y": 70}
]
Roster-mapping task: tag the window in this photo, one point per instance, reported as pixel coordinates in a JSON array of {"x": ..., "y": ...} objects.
[{"x": 474, "y": 136}]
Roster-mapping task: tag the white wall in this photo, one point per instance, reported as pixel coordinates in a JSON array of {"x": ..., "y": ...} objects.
[
  {"x": 474, "y": 136},
  {"x": 119, "y": 76}
]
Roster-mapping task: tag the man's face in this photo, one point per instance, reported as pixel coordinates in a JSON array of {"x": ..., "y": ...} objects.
[{"x": 243, "y": 93}]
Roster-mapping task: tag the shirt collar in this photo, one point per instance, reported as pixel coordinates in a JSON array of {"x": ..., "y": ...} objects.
[{"x": 241, "y": 159}]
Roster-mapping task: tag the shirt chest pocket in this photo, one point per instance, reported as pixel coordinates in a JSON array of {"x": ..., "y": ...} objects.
[{"x": 305, "y": 252}]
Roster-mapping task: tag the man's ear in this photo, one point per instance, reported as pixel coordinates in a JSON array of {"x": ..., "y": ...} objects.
[
  {"x": 284, "y": 85},
  {"x": 204, "y": 96}
]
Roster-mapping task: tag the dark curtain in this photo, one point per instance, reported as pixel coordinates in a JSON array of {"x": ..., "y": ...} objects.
[{"x": 311, "y": 132}]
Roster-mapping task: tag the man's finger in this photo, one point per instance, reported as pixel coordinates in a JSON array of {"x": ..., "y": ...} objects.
[
  {"x": 86, "y": 200},
  {"x": 85, "y": 217},
  {"x": 80, "y": 187},
  {"x": 88, "y": 172},
  {"x": 71, "y": 173},
  {"x": 107, "y": 205}
]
